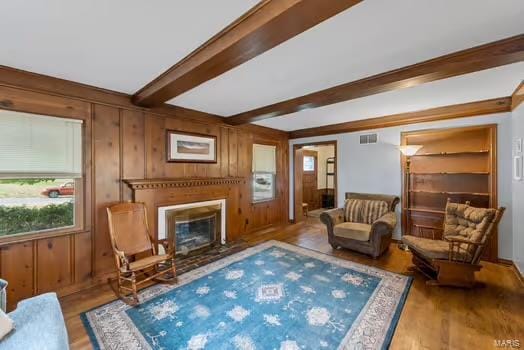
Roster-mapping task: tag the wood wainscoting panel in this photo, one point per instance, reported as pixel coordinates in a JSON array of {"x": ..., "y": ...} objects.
[
  {"x": 133, "y": 145},
  {"x": 16, "y": 267},
  {"x": 54, "y": 264},
  {"x": 233, "y": 152},
  {"x": 133, "y": 156},
  {"x": 82, "y": 255},
  {"x": 106, "y": 134},
  {"x": 155, "y": 138}
]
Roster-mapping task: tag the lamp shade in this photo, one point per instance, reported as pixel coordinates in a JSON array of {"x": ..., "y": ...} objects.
[{"x": 409, "y": 150}]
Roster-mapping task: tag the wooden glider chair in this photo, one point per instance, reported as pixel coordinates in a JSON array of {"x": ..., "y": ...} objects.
[
  {"x": 454, "y": 260},
  {"x": 135, "y": 253}
]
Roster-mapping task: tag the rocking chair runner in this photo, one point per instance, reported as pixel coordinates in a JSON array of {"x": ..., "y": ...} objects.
[
  {"x": 129, "y": 233},
  {"x": 454, "y": 260}
]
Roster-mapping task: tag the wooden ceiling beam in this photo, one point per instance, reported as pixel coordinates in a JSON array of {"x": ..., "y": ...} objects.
[
  {"x": 475, "y": 59},
  {"x": 518, "y": 96},
  {"x": 496, "y": 105},
  {"x": 265, "y": 26}
]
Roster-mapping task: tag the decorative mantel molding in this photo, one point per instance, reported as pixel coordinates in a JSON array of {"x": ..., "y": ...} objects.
[{"x": 149, "y": 184}]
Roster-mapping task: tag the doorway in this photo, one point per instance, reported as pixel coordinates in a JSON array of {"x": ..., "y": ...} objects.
[{"x": 315, "y": 179}]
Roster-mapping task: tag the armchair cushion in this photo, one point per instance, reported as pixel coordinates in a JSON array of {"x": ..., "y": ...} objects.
[
  {"x": 352, "y": 210},
  {"x": 431, "y": 249},
  {"x": 353, "y": 230},
  {"x": 365, "y": 211},
  {"x": 372, "y": 210}
]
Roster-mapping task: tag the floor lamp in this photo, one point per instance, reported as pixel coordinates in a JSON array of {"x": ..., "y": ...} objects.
[{"x": 408, "y": 151}]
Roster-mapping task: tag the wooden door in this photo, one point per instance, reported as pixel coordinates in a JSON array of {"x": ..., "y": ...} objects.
[
  {"x": 298, "y": 171},
  {"x": 310, "y": 192}
]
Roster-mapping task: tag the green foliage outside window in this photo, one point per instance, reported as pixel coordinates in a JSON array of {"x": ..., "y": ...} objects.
[
  {"x": 26, "y": 181},
  {"x": 18, "y": 219}
]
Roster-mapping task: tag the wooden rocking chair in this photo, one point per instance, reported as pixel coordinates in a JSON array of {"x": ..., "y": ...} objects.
[
  {"x": 454, "y": 260},
  {"x": 130, "y": 236}
]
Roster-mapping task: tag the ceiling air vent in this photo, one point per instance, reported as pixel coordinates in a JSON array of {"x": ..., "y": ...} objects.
[{"x": 368, "y": 138}]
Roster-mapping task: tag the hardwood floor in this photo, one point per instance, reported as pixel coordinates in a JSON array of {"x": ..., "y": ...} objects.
[{"x": 432, "y": 318}]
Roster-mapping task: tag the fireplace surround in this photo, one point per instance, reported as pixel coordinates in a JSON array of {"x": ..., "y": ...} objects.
[
  {"x": 178, "y": 193},
  {"x": 193, "y": 226}
]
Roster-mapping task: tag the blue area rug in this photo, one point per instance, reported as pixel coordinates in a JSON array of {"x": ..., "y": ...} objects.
[{"x": 272, "y": 296}]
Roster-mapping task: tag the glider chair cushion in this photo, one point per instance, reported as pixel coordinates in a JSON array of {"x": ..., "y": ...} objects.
[
  {"x": 430, "y": 248},
  {"x": 365, "y": 223}
]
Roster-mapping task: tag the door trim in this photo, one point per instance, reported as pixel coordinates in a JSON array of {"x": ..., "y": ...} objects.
[{"x": 297, "y": 146}]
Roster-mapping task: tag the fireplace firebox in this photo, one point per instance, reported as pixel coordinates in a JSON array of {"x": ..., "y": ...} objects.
[{"x": 192, "y": 226}]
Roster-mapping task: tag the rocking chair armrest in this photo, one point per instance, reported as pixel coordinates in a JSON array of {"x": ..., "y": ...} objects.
[
  {"x": 167, "y": 247},
  {"x": 124, "y": 261},
  {"x": 458, "y": 245}
]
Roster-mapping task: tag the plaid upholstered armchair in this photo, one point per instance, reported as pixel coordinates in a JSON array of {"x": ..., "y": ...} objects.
[
  {"x": 365, "y": 224},
  {"x": 454, "y": 259}
]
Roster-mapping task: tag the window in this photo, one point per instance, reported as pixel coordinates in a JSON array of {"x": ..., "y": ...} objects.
[
  {"x": 309, "y": 163},
  {"x": 40, "y": 173},
  {"x": 264, "y": 170}
]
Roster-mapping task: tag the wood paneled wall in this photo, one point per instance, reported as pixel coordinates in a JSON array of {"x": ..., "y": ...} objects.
[{"x": 125, "y": 143}]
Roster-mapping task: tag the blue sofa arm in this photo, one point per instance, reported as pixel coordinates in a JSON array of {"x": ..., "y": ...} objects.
[{"x": 39, "y": 325}]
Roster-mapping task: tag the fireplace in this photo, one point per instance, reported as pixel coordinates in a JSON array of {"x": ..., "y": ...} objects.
[{"x": 192, "y": 226}]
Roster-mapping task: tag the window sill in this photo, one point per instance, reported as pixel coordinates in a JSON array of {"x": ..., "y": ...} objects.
[
  {"x": 263, "y": 201},
  {"x": 29, "y": 237}
]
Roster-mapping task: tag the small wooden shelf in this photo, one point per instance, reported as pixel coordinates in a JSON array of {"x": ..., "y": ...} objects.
[
  {"x": 426, "y": 210},
  {"x": 451, "y": 193},
  {"x": 452, "y": 173},
  {"x": 450, "y": 153}
]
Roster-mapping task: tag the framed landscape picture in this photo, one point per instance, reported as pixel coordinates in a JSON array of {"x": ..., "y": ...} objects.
[{"x": 187, "y": 147}]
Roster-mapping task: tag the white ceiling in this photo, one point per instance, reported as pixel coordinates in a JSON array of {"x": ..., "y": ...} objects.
[
  {"x": 115, "y": 44},
  {"x": 123, "y": 44},
  {"x": 370, "y": 38},
  {"x": 491, "y": 83}
]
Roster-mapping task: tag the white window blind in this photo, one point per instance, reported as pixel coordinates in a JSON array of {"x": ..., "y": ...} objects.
[
  {"x": 36, "y": 146},
  {"x": 264, "y": 158}
]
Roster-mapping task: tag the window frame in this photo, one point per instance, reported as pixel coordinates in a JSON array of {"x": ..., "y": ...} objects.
[
  {"x": 80, "y": 202},
  {"x": 314, "y": 164},
  {"x": 273, "y": 188},
  {"x": 254, "y": 173}
]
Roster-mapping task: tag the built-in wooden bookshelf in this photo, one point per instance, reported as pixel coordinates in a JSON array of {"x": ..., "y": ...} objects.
[{"x": 457, "y": 163}]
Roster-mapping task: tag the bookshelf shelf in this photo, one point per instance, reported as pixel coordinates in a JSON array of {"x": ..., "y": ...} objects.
[{"x": 447, "y": 153}]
